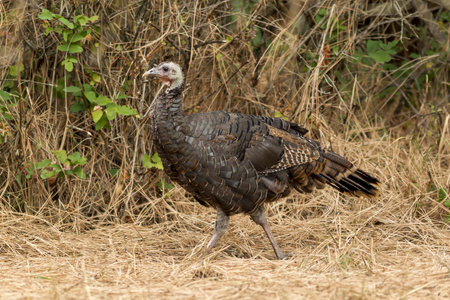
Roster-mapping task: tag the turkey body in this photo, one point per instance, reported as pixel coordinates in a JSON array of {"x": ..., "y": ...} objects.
[{"x": 235, "y": 162}]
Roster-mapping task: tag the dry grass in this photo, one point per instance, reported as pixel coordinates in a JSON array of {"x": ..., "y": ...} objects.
[{"x": 122, "y": 237}]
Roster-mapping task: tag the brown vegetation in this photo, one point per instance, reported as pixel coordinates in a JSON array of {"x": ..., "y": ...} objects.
[{"x": 369, "y": 80}]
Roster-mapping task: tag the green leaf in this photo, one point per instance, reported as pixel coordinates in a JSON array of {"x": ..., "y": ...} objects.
[
  {"x": 4, "y": 95},
  {"x": 71, "y": 59},
  {"x": 380, "y": 56},
  {"x": 77, "y": 37},
  {"x": 157, "y": 160},
  {"x": 63, "y": 47},
  {"x": 126, "y": 111},
  {"x": 79, "y": 172},
  {"x": 48, "y": 30},
  {"x": 57, "y": 167},
  {"x": 102, "y": 100},
  {"x": 68, "y": 65},
  {"x": 96, "y": 77},
  {"x": 66, "y": 35},
  {"x": 229, "y": 39},
  {"x": 46, "y": 15},
  {"x": 93, "y": 18},
  {"x": 121, "y": 96},
  {"x": 42, "y": 164},
  {"x": 372, "y": 46},
  {"x": 146, "y": 162},
  {"x": 442, "y": 194},
  {"x": 47, "y": 174},
  {"x": 77, "y": 159},
  {"x": 77, "y": 107},
  {"x": 66, "y": 22},
  {"x": 91, "y": 96},
  {"x": 80, "y": 19},
  {"x": 16, "y": 69},
  {"x": 258, "y": 39},
  {"x": 96, "y": 115},
  {"x": 72, "y": 89},
  {"x": 88, "y": 88},
  {"x": 74, "y": 48},
  {"x": 103, "y": 122},
  {"x": 113, "y": 172},
  {"x": 61, "y": 156},
  {"x": 277, "y": 114}
]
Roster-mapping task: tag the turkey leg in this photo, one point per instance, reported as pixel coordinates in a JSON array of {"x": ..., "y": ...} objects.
[
  {"x": 221, "y": 226},
  {"x": 260, "y": 218}
]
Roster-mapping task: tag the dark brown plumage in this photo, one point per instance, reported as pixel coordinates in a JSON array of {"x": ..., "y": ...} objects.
[{"x": 236, "y": 162}]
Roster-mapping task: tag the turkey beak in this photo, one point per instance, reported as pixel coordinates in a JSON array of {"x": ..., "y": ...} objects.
[{"x": 151, "y": 72}]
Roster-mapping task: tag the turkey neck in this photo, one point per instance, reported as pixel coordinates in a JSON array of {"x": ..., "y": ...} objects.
[{"x": 166, "y": 115}]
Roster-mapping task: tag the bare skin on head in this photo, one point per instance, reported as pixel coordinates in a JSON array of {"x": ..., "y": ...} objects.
[{"x": 169, "y": 73}]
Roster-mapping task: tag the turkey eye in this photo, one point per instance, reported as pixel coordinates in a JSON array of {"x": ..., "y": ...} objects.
[{"x": 165, "y": 69}]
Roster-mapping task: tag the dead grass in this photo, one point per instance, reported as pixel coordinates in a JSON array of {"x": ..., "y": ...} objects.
[
  {"x": 396, "y": 247},
  {"x": 121, "y": 237}
]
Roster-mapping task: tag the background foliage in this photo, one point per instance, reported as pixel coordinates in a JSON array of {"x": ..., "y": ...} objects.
[{"x": 74, "y": 140}]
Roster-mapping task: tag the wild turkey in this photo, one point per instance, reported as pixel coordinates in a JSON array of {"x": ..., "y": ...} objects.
[{"x": 236, "y": 162}]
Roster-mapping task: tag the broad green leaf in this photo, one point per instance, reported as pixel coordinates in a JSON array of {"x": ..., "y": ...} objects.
[
  {"x": 77, "y": 159},
  {"x": 57, "y": 167},
  {"x": 146, "y": 162},
  {"x": 79, "y": 172},
  {"x": 48, "y": 30},
  {"x": 63, "y": 47},
  {"x": 380, "y": 56},
  {"x": 102, "y": 100},
  {"x": 71, "y": 59},
  {"x": 16, "y": 69},
  {"x": 77, "y": 107},
  {"x": 42, "y": 164},
  {"x": 93, "y": 18},
  {"x": 87, "y": 88},
  {"x": 96, "y": 115},
  {"x": 113, "y": 172},
  {"x": 61, "y": 156},
  {"x": 72, "y": 89},
  {"x": 96, "y": 77},
  {"x": 102, "y": 123},
  {"x": 4, "y": 95},
  {"x": 66, "y": 35},
  {"x": 47, "y": 174},
  {"x": 121, "y": 96},
  {"x": 372, "y": 46},
  {"x": 68, "y": 65},
  {"x": 46, "y": 15},
  {"x": 77, "y": 37},
  {"x": 74, "y": 48},
  {"x": 91, "y": 96},
  {"x": 66, "y": 22},
  {"x": 126, "y": 111}
]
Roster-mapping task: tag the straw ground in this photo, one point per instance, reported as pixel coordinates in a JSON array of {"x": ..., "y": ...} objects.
[{"x": 369, "y": 80}]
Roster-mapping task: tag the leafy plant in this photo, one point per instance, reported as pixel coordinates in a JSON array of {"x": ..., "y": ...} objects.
[
  {"x": 103, "y": 109},
  {"x": 381, "y": 52},
  {"x": 73, "y": 34},
  {"x": 67, "y": 165}
]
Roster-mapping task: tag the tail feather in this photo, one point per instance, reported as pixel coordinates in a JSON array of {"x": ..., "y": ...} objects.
[{"x": 337, "y": 172}]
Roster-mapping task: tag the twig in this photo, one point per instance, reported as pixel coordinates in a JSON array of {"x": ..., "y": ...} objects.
[{"x": 216, "y": 90}]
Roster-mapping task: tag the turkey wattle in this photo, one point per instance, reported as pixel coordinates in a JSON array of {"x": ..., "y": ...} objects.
[{"x": 236, "y": 162}]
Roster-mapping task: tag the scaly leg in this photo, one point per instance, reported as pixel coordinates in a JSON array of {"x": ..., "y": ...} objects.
[
  {"x": 260, "y": 218},
  {"x": 221, "y": 226}
]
